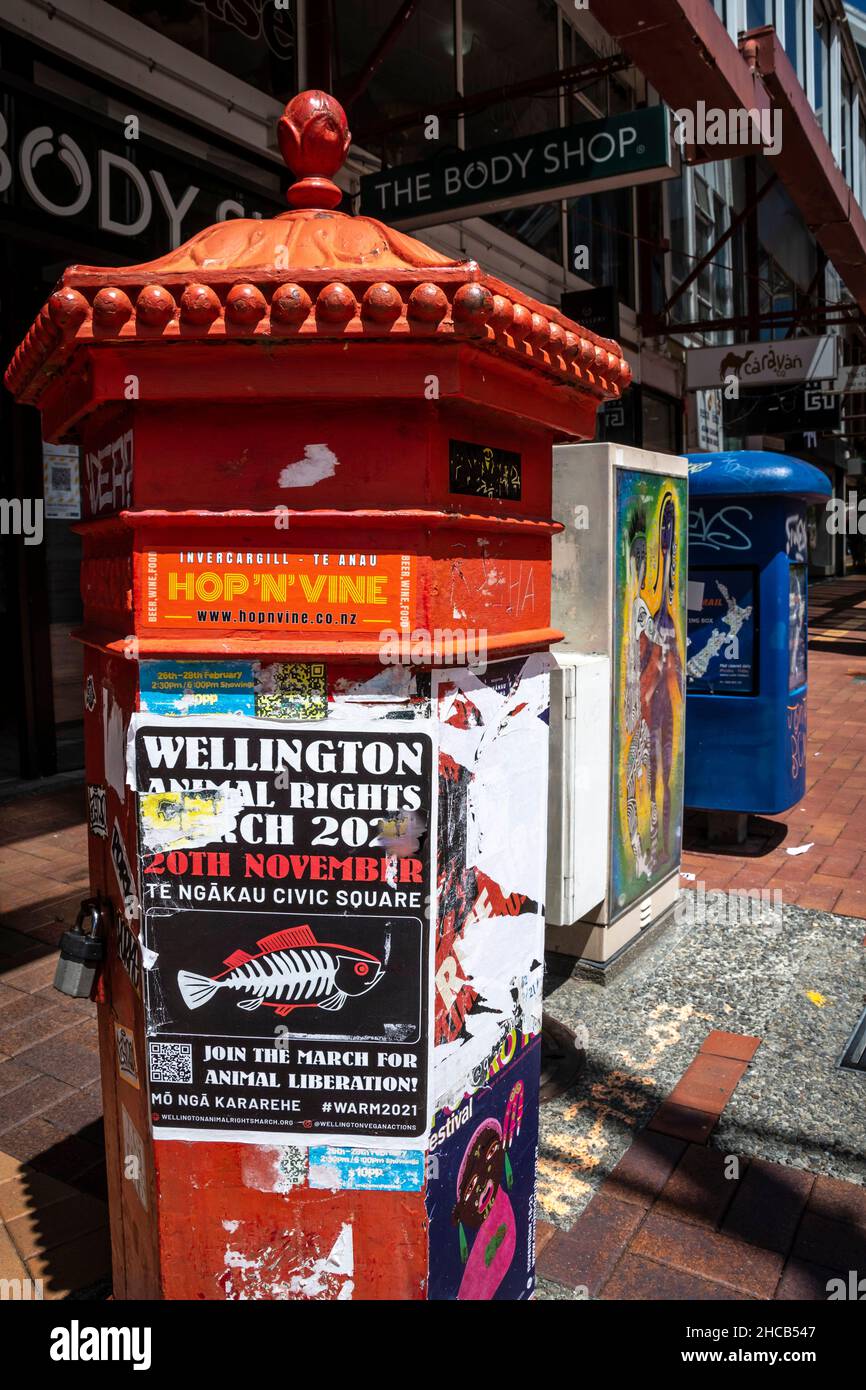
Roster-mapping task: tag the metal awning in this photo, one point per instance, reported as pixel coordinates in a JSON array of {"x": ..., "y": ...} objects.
[
  {"x": 807, "y": 167},
  {"x": 685, "y": 52}
]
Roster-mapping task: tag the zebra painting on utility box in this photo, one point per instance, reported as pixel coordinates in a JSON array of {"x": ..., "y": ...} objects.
[{"x": 648, "y": 691}]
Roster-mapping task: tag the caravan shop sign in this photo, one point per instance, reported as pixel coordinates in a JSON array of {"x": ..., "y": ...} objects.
[
  {"x": 613, "y": 152},
  {"x": 781, "y": 363}
]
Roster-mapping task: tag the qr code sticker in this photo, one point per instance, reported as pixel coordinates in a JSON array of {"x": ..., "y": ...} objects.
[
  {"x": 171, "y": 1062},
  {"x": 292, "y": 690}
]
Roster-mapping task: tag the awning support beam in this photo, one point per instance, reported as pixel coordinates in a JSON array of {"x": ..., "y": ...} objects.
[
  {"x": 359, "y": 85},
  {"x": 466, "y": 105}
]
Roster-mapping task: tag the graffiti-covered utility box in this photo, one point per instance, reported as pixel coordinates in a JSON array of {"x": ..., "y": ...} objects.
[
  {"x": 316, "y": 579},
  {"x": 619, "y": 591},
  {"x": 747, "y": 629}
]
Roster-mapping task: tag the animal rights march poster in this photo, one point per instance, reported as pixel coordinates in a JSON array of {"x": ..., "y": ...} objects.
[{"x": 285, "y": 876}]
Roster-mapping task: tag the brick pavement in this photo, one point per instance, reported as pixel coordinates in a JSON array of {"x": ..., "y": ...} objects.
[
  {"x": 677, "y": 1220},
  {"x": 52, "y": 1164},
  {"x": 831, "y": 876},
  {"x": 51, "y": 1153}
]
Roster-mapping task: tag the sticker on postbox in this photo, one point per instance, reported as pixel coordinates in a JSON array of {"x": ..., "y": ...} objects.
[
  {"x": 796, "y": 627},
  {"x": 127, "y": 1064},
  {"x": 286, "y": 912},
  {"x": 477, "y": 470},
  {"x": 281, "y": 690},
  {"x": 197, "y": 687},
  {"x": 336, "y": 1168},
  {"x": 283, "y": 591}
]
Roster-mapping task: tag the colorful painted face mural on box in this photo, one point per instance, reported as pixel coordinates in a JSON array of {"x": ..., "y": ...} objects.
[
  {"x": 481, "y": 1189},
  {"x": 648, "y": 694}
]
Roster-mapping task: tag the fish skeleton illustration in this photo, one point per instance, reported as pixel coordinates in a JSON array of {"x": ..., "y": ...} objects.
[{"x": 290, "y": 970}]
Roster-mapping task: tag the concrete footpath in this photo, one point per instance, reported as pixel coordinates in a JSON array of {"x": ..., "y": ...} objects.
[{"x": 668, "y": 1093}]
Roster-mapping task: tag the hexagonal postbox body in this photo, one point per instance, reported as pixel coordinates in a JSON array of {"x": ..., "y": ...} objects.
[
  {"x": 316, "y": 578},
  {"x": 747, "y": 630}
]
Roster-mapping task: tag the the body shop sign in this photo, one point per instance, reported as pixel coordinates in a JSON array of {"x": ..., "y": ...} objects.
[
  {"x": 109, "y": 176},
  {"x": 613, "y": 152}
]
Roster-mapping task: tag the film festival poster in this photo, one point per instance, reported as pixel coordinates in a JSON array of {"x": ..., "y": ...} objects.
[{"x": 481, "y": 1189}]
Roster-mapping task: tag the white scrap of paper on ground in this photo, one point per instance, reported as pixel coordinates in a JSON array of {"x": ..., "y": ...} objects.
[{"x": 801, "y": 849}]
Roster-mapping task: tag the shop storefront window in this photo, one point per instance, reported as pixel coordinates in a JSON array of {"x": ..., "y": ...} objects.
[
  {"x": 777, "y": 294},
  {"x": 758, "y": 12},
  {"x": 416, "y": 75},
  {"x": 603, "y": 223},
  {"x": 714, "y": 285},
  {"x": 504, "y": 42},
  {"x": 821, "y": 89},
  {"x": 847, "y": 111},
  {"x": 539, "y": 227},
  {"x": 604, "y": 96},
  {"x": 113, "y": 201},
  {"x": 661, "y": 422},
  {"x": 678, "y": 221},
  {"x": 252, "y": 39},
  {"x": 794, "y": 35},
  {"x": 63, "y": 567}
]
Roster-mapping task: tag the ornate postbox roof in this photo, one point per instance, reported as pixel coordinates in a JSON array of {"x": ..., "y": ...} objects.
[{"x": 308, "y": 274}]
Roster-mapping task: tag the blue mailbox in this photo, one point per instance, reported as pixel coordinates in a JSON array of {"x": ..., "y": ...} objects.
[{"x": 747, "y": 628}]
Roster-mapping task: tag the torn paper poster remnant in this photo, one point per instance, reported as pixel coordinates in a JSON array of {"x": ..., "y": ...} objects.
[
  {"x": 319, "y": 462},
  {"x": 114, "y": 743},
  {"x": 189, "y": 819},
  {"x": 331, "y": 1275}
]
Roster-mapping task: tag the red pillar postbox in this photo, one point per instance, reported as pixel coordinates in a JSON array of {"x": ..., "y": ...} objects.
[{"x": 316, "y": 471}]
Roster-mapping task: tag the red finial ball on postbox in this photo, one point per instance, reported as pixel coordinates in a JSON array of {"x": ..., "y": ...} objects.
[{"x": 314, "y": 140}]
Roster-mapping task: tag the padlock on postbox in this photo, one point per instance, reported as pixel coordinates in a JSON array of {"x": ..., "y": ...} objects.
[{"x": 81, "y": 952}]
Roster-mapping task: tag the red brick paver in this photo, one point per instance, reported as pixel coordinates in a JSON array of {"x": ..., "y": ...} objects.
[
  {"x": 692, "y": 1109},
  {"x": 53, "y": 1220},
  {"x": 831, "y": 876},
  {"x": 683, "y": 1221}
]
